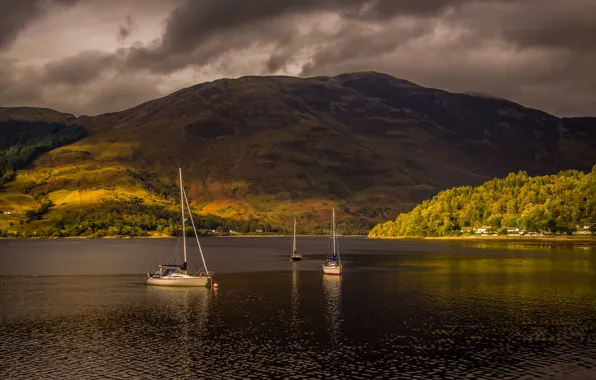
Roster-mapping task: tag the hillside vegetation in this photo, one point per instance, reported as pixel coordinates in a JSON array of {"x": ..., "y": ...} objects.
[
  {"x": 256, "y": 151},
  {"x": 554, "y": 203},
  {"x": 22, "y": 141}
]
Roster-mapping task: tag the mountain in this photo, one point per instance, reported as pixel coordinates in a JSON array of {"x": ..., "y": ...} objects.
[{"x": 265, "y": 148}]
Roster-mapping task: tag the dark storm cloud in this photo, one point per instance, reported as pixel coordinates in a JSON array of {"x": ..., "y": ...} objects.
[
  {"x": 569, "y": 24},
  {"x": 78, "y": 69},
  {"x": 124, "y": 31},
  {"x": 540, "y": 53},
  {"x": 525, "y": 24},
  {"x": 16, "y": 15},
  {"x": 544, "y": 23},
  {"x": 121, "y": 92},
  {"x": 195, "y": 21},
  {"x": 88, "y": 94},
  {"x": 386, "y": 9},
  {"x": 18, "y": 85},
  {"x": 192, "y": 27}
]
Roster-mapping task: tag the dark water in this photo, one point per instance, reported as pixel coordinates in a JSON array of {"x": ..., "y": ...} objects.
[{"x": 79, "y": 309}]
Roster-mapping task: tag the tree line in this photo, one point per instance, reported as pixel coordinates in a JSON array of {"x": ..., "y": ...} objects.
[
  {"x": 130, "y": 218},
  {"x": 134, "y": 218}
]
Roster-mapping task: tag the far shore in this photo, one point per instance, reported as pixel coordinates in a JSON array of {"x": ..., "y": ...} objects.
[
  {"x": 580, "y": 240},
  {"x": 289, "y": 235},
  {"x": 166, "y": 237},
  {"x": 552, "y": 240}
]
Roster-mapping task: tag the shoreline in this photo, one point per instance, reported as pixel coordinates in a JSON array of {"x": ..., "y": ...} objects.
[
  {"x": 289, "y": 235},
  {"x": 551, "y": 240},
  {"x": 571, "y": 240},
  {"x": 167, "y": 237}
]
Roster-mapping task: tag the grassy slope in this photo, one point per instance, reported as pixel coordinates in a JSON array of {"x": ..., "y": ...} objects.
[{"x": 73, "y": 183}]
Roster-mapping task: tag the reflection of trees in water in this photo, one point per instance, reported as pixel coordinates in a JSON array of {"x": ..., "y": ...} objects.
[
  {"x": 523, "y": 294},
  {"x": 529, "y": 246},
  {"x": 332, "y": 292},
  {"x": 578, "y": 262}
]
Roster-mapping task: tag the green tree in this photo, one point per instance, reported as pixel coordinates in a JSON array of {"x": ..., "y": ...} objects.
[
  {"x": 552, "y": 225},
  {"x": 30, "y": 215}
]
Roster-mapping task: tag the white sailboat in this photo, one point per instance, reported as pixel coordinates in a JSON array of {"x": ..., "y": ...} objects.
[
  {"x": 333, "y": 263},
  {"x": 295, "y": 255},
  {"x": 177, "y": 275}
]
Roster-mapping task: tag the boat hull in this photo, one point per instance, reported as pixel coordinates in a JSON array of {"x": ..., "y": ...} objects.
[
  {"x": 332, "y": 270},
  {"x": 183, "y": 281}
]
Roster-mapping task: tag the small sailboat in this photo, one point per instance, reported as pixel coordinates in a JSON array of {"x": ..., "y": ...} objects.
[
  {"x": 177, "y": 275},
  {"x": 295, "y": 255},
  {"x": 333, "y": 263}
]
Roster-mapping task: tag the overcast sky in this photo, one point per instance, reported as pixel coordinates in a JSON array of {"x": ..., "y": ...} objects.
[{"x": 95, "y": 56}]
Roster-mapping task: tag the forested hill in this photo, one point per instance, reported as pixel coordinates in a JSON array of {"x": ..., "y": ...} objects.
[{"x": 552, "y": 203}]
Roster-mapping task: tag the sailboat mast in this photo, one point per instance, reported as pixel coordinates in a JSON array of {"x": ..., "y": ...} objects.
[
  {"x": 196, "y": 234},
  {"x": 335, "y": 244},
  {"x": 333, "y": 232},
  {"x": 294, "y": 248},
  {"x": 182, "y": 214}
]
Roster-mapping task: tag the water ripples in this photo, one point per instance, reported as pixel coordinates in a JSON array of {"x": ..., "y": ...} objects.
[{"x": 437, "y": 323}]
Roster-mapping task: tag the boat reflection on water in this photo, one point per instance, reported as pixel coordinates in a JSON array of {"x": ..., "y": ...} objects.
[
  {"x": 185, "y": 305},
  {"x": 295, "y": 291},
  {"x": 186, "y": 312},
  {"x": 332, "y": 287},
  {"x": 297, "y": 321}
]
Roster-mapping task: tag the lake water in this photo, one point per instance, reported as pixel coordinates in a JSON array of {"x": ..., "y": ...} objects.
[{"x": 80, "y": 309}]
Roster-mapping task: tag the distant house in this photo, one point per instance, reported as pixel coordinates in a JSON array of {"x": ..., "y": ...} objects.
[
  {"x": 582, "y": 232},
  {"x": 7, "y": 213},
  {"x": 467, "y": 230},
  {"x": 512, "y": 230},
  {"x": 484, "y": 230},
  {"x": 259, "y": 231},
  {"x": 584, "y": 229}
]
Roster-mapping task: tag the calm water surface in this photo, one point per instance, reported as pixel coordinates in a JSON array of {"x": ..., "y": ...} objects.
[{"x": 79, "y": 309}]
